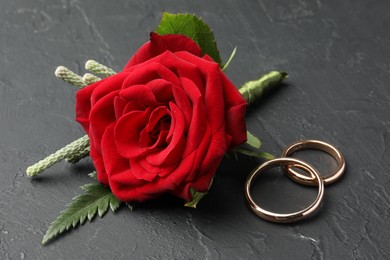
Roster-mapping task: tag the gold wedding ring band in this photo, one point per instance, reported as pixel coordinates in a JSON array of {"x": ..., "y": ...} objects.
[
  {"x": 313, "y": 179},
  {"x": 290, "y": 217},
  {"x": 315, "y": 145}
]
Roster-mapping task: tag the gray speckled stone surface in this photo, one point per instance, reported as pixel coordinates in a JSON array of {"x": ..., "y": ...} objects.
[{"x": 337, "y": 56}]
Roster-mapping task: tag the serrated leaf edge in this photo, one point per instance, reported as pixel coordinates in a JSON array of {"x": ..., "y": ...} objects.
[
  {"x": 56, "y": 228},
  {"x": 167, "y": 15}
]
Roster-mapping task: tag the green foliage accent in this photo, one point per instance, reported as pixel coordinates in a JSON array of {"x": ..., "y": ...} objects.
[
  {"x": 100, "y": 69},
  {"x": 196, "y": 197},
  {"x": 96, "y": 199},
  {"x": 253, "y": 140},
  {"x": 192, "y": 26},
  {"x": 69, "y": 76},
  {"x": 93, "y": 175},
  {"x": 72, "y": 150},
  {"x": 266, "y": 156},
  {"x": 261, "y": 155},
  {"x": 230, "y": 59},
  {"x": 254, "y": 90}
]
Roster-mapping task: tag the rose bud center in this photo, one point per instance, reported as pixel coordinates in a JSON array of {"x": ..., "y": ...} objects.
[{"x": 156, "y": 131}]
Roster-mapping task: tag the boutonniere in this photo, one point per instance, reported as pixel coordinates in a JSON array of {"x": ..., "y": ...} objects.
[{"x": 161, "y": 125}]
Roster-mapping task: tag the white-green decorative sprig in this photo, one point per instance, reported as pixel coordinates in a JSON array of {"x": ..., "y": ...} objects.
[
  {"x": 72, "y": 151},
  {"x": 97, "y": 198},
  {"x": 79, "y": 148},
  {"x": 98, "y": 68},
  {"x": 89, "y": 78},
  {"x": 69, "y": 76}
]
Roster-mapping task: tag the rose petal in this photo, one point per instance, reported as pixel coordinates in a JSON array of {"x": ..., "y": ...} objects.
[
  {"x": 107, "y": 86},
  {"x": 161, "y": 89},
  {"x": 127, "y": 132},
  {"x": 194, "y": 160},
  {"x": 183, "y": 68},
  {"x": 142, "y": 168},
  {"x": 140, "y": 94},
  {"x": 207, "y": 58},
  {"x": 122, "y": 182},
  {"x": 140, "y": 172},
  {"x": 235, "y": 124},
  {"x": 125, "y": 192},
  {"x": 214, "y": 92},
  {"x": 133, "y": 105},
  {"x": 208, "y": 157},
  {"x": 234, "y": 117},
  {"x": 196, "y": 127},
  {"x": 155, "y": 118},
  {"x": 159, "y": 44},
  {"x": 151, "y": 70},
  {"x": 98, "y": 163},
  {"x": 102, "y": 115},
  {"x": 213, "y": 97},
  {"x": 119, "y": 106},
  {"x": 172, "y": 153},
  {"x": 235, "y": 107},
  {"x": 113, "y": 161},
  {"x": 83, "y": 104},
  {"x": 181, "y": 100}
]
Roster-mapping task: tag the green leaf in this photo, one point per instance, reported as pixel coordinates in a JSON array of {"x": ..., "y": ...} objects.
[
  {"x": 262, "y": 155},
  {"x": 93, "y": 175},
  {"x": 196, "y": 197},
  {"x": 193, "y": 27},
  {"x": 96, "y": 199},
  {"x": 230, "y": 59},
  {"x": 253, "y": 140}
]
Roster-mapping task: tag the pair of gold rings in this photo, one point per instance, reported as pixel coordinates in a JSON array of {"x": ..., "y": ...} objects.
[{"x": 313, "y": 179}]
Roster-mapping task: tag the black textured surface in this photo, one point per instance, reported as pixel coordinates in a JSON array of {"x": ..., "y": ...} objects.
[{"x": 337, "y": 56}]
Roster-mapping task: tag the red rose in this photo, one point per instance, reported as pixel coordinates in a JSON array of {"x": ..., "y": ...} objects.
[{"x": 162, "y": 124}]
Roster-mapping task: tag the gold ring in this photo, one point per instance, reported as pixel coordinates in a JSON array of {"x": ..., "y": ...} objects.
[
  {"x": 290, "y": 217},
  {"x": 317, "y": 145}
]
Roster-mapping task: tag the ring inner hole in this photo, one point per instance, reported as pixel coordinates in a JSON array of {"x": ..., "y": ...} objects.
[
  {"x": 322, "y": 161},
  {"x": 272, "y": 190}
]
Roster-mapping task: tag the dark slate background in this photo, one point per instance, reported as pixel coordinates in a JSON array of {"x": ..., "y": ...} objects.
[{"x": 337, "y": 56}]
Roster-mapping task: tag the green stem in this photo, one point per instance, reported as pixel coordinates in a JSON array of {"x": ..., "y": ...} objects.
[
  {"x": 230, "y": 59},
  {"x": 68, "y": 151},
  {"x": 254, "y": 90}
]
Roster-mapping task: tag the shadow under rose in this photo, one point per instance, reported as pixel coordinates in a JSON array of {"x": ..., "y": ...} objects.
[{"x": 224, "y": 197}]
